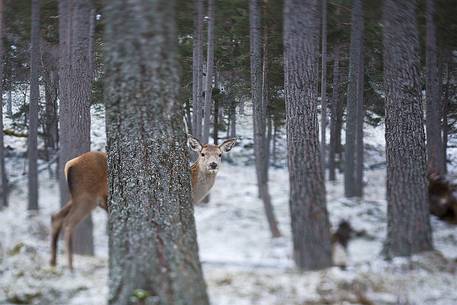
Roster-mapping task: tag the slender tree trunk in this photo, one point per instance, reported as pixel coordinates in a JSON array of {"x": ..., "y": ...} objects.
[
  {"x": 408, "y": 225},
  {"x": 259, "y": 115},
  {"x": 309, "y": 216},
  {"x": 209, "y": 72},
  {"x": 336, "y": 101},
  {"x": 197, "y": 73},
  {"x": 232, "y": 118},
  {"x": 9, "y": 105},
  {"x": 75, "y": 105},
  {"x": 3, "y": 178},
  {"x": 33, "y": 108},
  {"x": 433, "y": 108},
  {"x": 49, "y": 66},
  {"x": 324, "y": 82},
  {"x": 153, "y": 242},
  {"x": 216, "y": 120},
  {"x": 353, "y": 158}
]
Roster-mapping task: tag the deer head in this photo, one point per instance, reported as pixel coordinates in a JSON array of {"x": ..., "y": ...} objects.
[{"x": 209, "y": 158}]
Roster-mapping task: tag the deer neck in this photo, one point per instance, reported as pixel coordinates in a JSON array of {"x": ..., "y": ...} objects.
[{"x": 202, "y": 182}]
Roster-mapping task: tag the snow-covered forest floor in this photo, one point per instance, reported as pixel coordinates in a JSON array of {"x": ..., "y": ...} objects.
[{"x": 242, "y": 264}]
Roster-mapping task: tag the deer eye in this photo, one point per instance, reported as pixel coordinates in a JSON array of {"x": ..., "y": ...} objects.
[
  {"x": 220, "y": 155},
  {"x": 203, "y": 154}
]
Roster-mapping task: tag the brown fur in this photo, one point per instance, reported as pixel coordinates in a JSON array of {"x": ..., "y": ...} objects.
[{"x": 442, "y": 198}]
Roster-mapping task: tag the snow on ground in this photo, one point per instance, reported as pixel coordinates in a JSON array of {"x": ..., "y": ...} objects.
[{"x": 242, "y": 264}]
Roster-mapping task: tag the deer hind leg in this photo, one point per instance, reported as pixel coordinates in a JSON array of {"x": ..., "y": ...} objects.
[
  {"x": 80, "y": 209},
  {"x": 56, "y": 226}
]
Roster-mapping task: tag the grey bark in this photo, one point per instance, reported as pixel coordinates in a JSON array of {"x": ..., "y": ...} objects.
[
  {"x": 353, "y": 153},
  {"x": 445, "y": 110},
  {"x": 3, "y": 177},
  {"x": 209, "y": 72},
  {"x": 75, "y": 102},
  {"x": 433, "y": 96},
  {"x": 258, "y": 79},
  {"x": 408, "y": 225},
  {"x": 9, "y": 105},
  {"x": 335, "y": 112},
  {"x": 324, "y": 81},
  {"x": 33, "y": 108},
  {"x": 309, "y": 216},
  {"x": 153, "y": 242},
  {"x": 197, "y": 73}
]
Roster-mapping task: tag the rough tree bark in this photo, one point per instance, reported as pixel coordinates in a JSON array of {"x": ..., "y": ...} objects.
[
  {"x": 75, "y": 102},
  {"x": 32, "y": 139},
  {"x": 309, "y": 216},
  {"x": 445, "y": 110},
  {"x": 335, "y": 107},
  {"x": 408, "y": 224},
  {"x": 433, "y": 96},
  {"x": 353, "y": 160},
  {"x": 324, "y": 82},
  {"x": 153, "y": 242},
  {"x": 209, "y": 72},
  {"x": 259, "y": 113},
  {"x": 3, "y": 178},
  {"x": 197, "y": 73}
]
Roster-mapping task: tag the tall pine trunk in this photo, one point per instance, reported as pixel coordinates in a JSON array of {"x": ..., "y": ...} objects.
[
  {"x": 209, "y": 72},
  {"x": 309, "y": 216},
  {"x": 258, "y": 79},
  {"x": 75, "y": 102},
  {"x": 433, "y": 96},
  {"x": 324, "y": 82},
  {"x": 335, "y": 106},
  {"x": 33, "y": 108},
  {"x": 3, "y": 178},
  {"x": 353, "y": 153},
  {"x": 408, "y": 224},
  {"x": 197, "y": 73},
  {"x": 153, "y": 242}
]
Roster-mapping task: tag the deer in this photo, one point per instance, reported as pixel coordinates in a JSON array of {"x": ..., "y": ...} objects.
[{"x": 87, "y": 179}]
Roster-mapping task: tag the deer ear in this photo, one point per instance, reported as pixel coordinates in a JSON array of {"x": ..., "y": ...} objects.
[
  {"x": 194, "y": 143},
  {"x": 227, "y": 145}
]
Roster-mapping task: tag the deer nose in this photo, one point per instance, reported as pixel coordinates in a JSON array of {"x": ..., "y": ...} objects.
[{"x": 213, "y": 165}]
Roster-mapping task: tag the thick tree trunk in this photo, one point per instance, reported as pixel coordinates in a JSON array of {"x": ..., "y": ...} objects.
[
  {"x": 309, "y": 216},
  {"x": 153, "y": 242},
  {"x": 353, "y": 153},
  {"x": 197, "y": 73},
  {"x": 32, "y": 139},
  {"x": 75, "y": 103},
  {"x": 433, "y": 95},
  {"x": 336, "y": 105},
  {"x": 259, "y": 113},
  {"x": 324, "y": 82},
  {"x": 209, "y": 72},
  {"x": 3, "y": 178},
  {"x": 408, "y": 225}
]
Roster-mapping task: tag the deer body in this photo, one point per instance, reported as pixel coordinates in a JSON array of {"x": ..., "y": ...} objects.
[{"x": 87, "y": 177}]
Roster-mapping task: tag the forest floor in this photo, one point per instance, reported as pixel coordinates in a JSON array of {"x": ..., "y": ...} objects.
[{"x": 242, "y": 264}]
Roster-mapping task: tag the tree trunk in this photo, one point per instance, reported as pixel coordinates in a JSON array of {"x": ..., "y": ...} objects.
[
  {"x": 324, "y": 82},
  {"x": 259, "y": 113},
  {"x": 445, "y": 110},
  {"x": 336, "y": 101},
  {"x": 309, "y": 217},
  {"x": 3, "y": 178},
  {"x": 354, "y": 122},
  {"x": 433, "y": 105},
  {"x": 232, "y": 115},
  {"x": 153, "y": 242},
  {"x": 197, "y": 73},
  {"x": 408, "y": 225},
  {"x": 49, "y": 66},
  {"x": 75, "y": 103},
  {"x": 9, "y": 105},
  {"x": 209, "y": 72},
  {"x": 216, "y": 120},
  {"x": 33, "y": 108}
]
